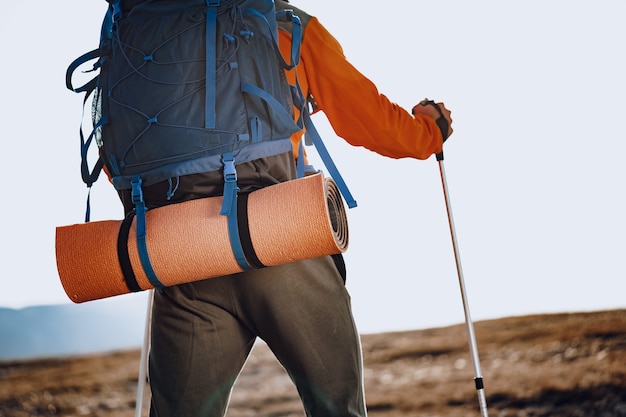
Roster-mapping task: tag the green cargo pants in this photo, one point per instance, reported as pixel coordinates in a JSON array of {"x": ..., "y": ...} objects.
[{"x": 202, "y": 333}]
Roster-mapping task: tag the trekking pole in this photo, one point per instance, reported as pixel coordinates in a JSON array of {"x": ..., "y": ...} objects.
[
  {"x": 143, "y": 362},
  {"x": 478, "y": 378}
]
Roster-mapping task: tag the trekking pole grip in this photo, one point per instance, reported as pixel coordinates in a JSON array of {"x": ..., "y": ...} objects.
[{"x": 442, "y": 123}]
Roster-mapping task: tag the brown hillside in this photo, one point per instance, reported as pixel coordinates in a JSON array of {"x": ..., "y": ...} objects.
[{"x": 543, "y": 365}]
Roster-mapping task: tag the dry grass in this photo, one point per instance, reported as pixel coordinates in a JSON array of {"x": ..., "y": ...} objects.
[
  {"x": 546, "y": 365},
  {"x": 549, "y": 365}
]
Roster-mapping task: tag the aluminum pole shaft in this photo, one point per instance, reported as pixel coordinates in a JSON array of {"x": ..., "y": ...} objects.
[
  {"x": 478, "y": 378},
  {"x": 143, "y": 362}
]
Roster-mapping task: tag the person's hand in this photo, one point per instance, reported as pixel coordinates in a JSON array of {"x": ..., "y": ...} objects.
[{"x": 438, "y": 112}]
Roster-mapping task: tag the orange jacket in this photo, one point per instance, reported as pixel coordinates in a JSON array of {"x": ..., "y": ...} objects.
[{"x": 356, "y": 110}]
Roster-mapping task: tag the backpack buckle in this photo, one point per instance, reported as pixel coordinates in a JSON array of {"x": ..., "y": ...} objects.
[
  {"x": 136, "y": 191},
  {"x": 230, "y": 172}
]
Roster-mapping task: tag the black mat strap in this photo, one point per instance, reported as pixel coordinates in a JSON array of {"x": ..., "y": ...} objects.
[
  {"x": 123, "y": 256},
  {"x": 244, "y": 232}
]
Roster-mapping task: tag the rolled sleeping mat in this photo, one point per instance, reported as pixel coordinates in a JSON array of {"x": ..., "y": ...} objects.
[{"x": 189, "y": 241}]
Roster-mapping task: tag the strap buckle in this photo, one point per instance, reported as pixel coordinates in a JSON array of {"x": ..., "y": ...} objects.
[
  {"x": 136, "y": 191},
  {"x": 230, "y": 172}
]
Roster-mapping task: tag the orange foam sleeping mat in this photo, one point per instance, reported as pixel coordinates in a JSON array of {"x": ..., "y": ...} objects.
[{"x": 287, "y": 222}]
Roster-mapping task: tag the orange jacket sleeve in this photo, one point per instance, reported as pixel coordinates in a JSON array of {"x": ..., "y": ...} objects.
[{"x": 353, "y": 105}]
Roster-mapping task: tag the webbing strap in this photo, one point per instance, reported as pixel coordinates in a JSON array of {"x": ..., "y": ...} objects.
[
  {"x": 244, "y": 232},
  {"x": 235, "y": 241},
  {"x": 123, "y": 256},
  {"x": 211, "y": 62},
  {"x": 279, "y": 110},
  {"x": 442, "y": 122},
  {"x": 89, "y": 177},
  {"x": 284, "y": 16},
  {"x": 230, "y": 183},
  {"x": 300, "y": 166},
  {"x": 229, "y": 209},
  {"x": 90, "y": 85},
  {"x": 296, "y": 40},
  {"x": 142, "y": 247},
  {"x": 117, "y": 10},
  {"x": 88, "y": 206},
  {"x": 312, "y": 133}
]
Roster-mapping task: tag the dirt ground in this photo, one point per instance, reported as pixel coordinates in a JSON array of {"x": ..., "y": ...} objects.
[{"x": 565, "y": 365}]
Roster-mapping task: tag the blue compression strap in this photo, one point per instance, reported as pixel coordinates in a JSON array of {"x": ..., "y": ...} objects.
[
  {"x": 142, "y": 247},
  {"x": 326, "y": 158},
  {"x": 296, "y": 39},
  {"x": 117, "y": 10},
  {"x": 230, "y": 183},
  {"x": 274, "y": 104},
  {"x": 211, "y": 37},
  {"x": 235, "y": 240},
  {"x": 296, "y": 35},
  {"x": 301, "y": 167},
  {"x": 229, "y": 208}
]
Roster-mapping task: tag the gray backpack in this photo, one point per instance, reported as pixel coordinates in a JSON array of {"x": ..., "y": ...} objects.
[{"x": 186, "y": 87}]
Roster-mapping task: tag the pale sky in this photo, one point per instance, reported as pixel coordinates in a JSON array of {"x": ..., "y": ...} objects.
[{"x": 535, "y": 166}]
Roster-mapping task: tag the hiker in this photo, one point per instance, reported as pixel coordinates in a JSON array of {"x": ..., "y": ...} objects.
[{"x": 202, "y": 332}]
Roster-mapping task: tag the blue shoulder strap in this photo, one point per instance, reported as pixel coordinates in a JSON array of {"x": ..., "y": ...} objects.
[
  {"x": 284, "y": 16},
  {"x": 315, "y": 137}
]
